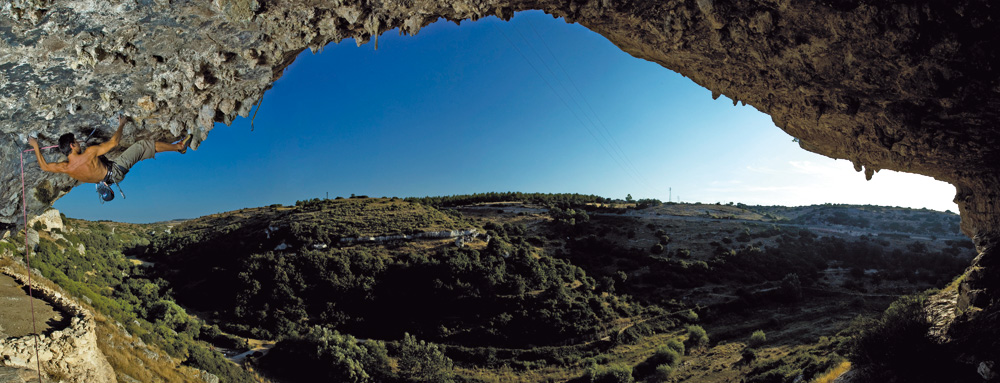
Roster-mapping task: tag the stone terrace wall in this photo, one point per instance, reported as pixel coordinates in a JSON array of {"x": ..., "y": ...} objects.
[{"x": 71, "y": 351}]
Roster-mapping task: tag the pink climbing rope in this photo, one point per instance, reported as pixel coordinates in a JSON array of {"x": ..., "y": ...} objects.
[{"x": 27, "y": 262}]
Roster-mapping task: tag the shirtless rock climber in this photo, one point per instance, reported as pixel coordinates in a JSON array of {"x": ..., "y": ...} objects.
[{"x": 92, "y": 166}]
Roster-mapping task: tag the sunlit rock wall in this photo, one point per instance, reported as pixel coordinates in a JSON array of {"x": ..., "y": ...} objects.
[{"x": 909, "y": 86}]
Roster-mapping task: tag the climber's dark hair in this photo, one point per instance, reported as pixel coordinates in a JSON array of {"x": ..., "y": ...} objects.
[{"x": 65, "y": 141}]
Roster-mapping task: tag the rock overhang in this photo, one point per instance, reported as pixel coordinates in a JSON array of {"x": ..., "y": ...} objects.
[{"x": 909, "y": 87}]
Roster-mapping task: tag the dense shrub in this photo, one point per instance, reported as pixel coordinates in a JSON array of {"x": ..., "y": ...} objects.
[
  {"x": 325, "y": 355},
  {"x": 615, "y": 373},
  {"x": 896, "y": 341},
  {"x": 757, "y": 339},
  {"x": 696, "y": 337},
  {"x": 675, "y": 345},
  {"x": 664, "y": 239},
  {"x": 656, "y": 249},
  {"x": 212, "y": 334},
  {"x": 896, "y": 338},
  {"x": 666, "y": 355},
  {"x": 422, "y": 362},
  {"x": 662, "y": 374}
]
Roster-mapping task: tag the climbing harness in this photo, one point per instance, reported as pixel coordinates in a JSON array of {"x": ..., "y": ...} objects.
[{"x": 104, "y": 191}]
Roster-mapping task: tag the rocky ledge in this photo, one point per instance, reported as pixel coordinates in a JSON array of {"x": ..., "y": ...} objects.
[{"x": 70, "y": 352}]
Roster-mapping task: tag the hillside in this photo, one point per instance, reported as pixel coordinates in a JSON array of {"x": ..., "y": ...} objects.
[
  {"x": 865, "y": 219},
  {"x": 105, "y": 325},
  {"x": 487, "y": 288},
  {"x": 276, "y": 271},
  {"x": 724, "y": 262},
  {"x": 922, "y": 222},
  {"x": 340, "y": 218}
]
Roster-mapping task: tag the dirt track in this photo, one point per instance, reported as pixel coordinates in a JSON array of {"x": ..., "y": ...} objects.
[{"x": 15, "y": 311}]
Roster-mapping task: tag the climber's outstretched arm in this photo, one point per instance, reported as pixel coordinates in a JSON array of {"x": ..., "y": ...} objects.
[
  {"x": 58, "y": 167},
  {"x": 105, "y": 147}
]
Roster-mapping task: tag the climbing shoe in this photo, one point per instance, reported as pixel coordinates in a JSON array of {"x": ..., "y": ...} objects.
[{"x": 186, "y": 141}]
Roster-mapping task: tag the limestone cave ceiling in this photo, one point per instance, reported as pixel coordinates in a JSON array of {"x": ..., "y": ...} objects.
[{"x": 902, "y": 85}]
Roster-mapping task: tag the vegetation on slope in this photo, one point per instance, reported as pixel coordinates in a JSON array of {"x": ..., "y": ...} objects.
[
  {"x": 122, "y": 294},
  {"x": 204, "y": 258},
  {"x": 881, "y": 218},
  {"x": 577, "y": 293},
  {"x": 507, "y": 293}
]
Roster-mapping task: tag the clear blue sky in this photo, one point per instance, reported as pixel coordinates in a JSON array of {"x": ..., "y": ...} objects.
[{"x": 533, "y": 105}]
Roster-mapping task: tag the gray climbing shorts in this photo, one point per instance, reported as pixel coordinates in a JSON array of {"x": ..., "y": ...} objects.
[{"x": 142, "y": 150}]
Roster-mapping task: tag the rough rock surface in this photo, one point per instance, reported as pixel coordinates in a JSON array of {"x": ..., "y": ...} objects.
[
  {"x": 910, "y": 86},
  {"x": 32, "y": 240},
  {"x": 50, "y": 218},
  {"x": 17, "y": 375},
  {"x": 70, "y": 352}
]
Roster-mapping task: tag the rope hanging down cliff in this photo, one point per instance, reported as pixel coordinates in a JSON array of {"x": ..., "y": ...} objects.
[
  {"x": 27, "y": 262},
  {"x": 27, "y": 259}
]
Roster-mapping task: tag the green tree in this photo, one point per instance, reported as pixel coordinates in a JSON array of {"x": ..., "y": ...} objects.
[
  {"x": 330, "y": 356},
  {"x": 420, "y": 361},
  {"x": 169, "y": 314}
]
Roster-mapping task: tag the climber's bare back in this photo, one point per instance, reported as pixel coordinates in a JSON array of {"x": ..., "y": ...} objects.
[{"x": 85, "y": 166}]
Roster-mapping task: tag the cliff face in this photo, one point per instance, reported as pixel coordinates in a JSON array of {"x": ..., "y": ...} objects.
[{"x": 904, "y": 86}]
